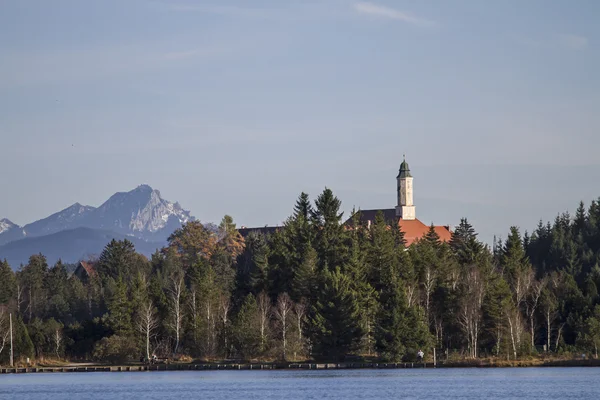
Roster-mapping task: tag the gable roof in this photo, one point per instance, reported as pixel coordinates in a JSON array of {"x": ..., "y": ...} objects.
[
  {"x": 266, "y": 230},
  {"x": 413, "y": 229},
  {"x": 389, "y": 215},
  {"x": 87, "y": 267}
]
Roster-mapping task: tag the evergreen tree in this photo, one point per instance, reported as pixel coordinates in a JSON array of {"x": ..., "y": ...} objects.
[
  {"x": 464, "y": 243},
  {"x": 8, "y": 285},
  {"x": 259, "y": 264},
  {"x": 23, "y": 346},
  {"x": 304, "y": 284},
  {"x": 245, "y": 329},
  {"x": 334, "y": 328},
  {"x": 381, "y": 255},
  {"x": 55, "y": 283},
  {"x": 513, "y": 258},
  {"x": 32, "y": 279},
  {"x": 303, "y": 208},
  {"x": 330, "y": 234},
  {"x": 120, "y": 309},
  {"x": 118, "y": 259},
  {"x": 432, "y": 236}
]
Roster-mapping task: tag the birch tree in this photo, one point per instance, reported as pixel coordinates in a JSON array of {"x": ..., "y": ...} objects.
[
  {"x": 283, "y": 310},
  {"x": 533, "y": 302},
  {"x": 224, "y": 309},
  {"x": 175, "y": 290},
  {"x": 4, "y": 328},
  {"x": 300, "y": 310},
  {"x": 265, "y": 312},
  {"x": 147, "y": 323},
  {"x": 471, "y": 308}
]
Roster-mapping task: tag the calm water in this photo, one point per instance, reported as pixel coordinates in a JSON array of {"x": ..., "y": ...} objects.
[{"x": 430, "y": 384}]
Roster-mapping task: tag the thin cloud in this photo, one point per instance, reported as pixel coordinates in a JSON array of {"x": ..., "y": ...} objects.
[
  {"x": 181, "y": 54},
  {"x": 230, "y": 11},
  {"x": 568, "y": 41},
  {"x": 390, "y": 13},
  {"x": 572, "y": 41}
]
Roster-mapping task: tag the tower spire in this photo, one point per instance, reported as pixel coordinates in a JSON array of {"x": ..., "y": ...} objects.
[{"x": 405, "y": 208}]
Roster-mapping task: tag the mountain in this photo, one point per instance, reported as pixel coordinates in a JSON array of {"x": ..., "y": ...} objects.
[
  {"x": 68, "y": 218},
  {"x": 10, "y": 231},
  {"x": 140, "y": 214},
  {"x": 70, "y": 246}
]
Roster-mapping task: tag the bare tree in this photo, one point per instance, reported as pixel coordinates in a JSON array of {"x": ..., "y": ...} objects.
[
  {"x": 175, "y": 290},
  {"x": 411, "y": 289},
  {"x": 20, "y": 299},
  {"x": 520, "y": 285},
  {"x": 224, "y": 309},
  {"x": 4, "y": 327},
  {"x": 537, "y": 288},
  {"x": 147, "y": 323},
  {"x": 265, "y": 311},
  {"x": 471, "y": 308},
  {"x": 282, "y": 313},
  {"x": 429, "y": 279},
  {"x": 211, "y": 332},
  {"x": 300, "y": 311},
  {"x": 550, "y": 310},
  {"x": 57, "y": 337},
  {"x": 194, "y": 311}
]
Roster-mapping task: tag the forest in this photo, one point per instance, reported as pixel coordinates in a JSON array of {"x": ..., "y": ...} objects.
[{"x": 315, "y": 289}]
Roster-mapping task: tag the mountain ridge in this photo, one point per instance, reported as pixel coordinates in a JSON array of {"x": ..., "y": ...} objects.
[
  {"x": 70, "y": 246},
  {"x": 140, "y": 213}
]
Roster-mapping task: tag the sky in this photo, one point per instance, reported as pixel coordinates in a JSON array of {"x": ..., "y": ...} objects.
[{"x": 235, "y": 107}]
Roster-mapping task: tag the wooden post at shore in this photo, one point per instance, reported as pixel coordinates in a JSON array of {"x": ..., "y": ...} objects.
[
  {"x": 11, "y": 341},
  {"x": 434, "y": 363}
]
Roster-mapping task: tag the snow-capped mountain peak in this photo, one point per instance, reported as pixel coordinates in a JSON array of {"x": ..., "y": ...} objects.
[
  {"x": 155, "y": 215},
  {"x": 9, "y": 231},
  {"x": 6, "y": 224},
  {"x": 140, "y": 213}
]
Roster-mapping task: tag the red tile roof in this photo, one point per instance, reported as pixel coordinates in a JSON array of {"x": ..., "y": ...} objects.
[
  {"x": 88, "y": 267},
  {"x": 415, "y": 229}
]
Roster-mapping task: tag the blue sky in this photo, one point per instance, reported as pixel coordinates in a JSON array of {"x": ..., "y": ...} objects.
[{"x": 238, "y": 106}]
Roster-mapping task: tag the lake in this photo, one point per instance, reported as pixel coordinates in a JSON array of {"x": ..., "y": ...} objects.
[{"x": 430, "y": 384}]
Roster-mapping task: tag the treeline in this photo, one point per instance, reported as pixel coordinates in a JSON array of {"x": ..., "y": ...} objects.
[{"x": 315, "y": 289}]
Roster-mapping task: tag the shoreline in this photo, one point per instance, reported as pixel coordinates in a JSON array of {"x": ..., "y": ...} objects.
[{"x": 295, "y": 366}]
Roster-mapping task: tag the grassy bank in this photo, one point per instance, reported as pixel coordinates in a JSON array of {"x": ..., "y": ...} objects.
[{"x": 480, "y": 363}]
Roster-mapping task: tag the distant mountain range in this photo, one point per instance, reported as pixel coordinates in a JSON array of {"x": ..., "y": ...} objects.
[{"x": 79, "y": 231}]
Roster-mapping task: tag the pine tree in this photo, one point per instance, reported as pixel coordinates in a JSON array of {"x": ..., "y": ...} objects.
[
  {"x": 302, "y": 208},
  {"x": 32, "y": 279},
  {"x": 23, "y": 346},
  {"x": 259, "y": 264},
  {"x": 7, "y": 287},
  {"x": 381, "y": 255},
  {"x": 513, "y": 258},
  {"x": 330, "y": 234},
  {"x": 117, "y": 259},
  {"x": 432, "y": 236},
  {"x": 246, "y": 333},
  {"x": 334, "y": 326},
  {"x": 120, "y": 310},
  {"x": 304, "y": 284},
  {"x": 464, "y": 243},
  {"x": 55, "y": 284},
  {"x": 400, "y": 329}
]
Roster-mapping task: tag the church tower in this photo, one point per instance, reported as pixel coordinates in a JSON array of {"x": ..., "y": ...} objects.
[{"x": 405, "y": 208}]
